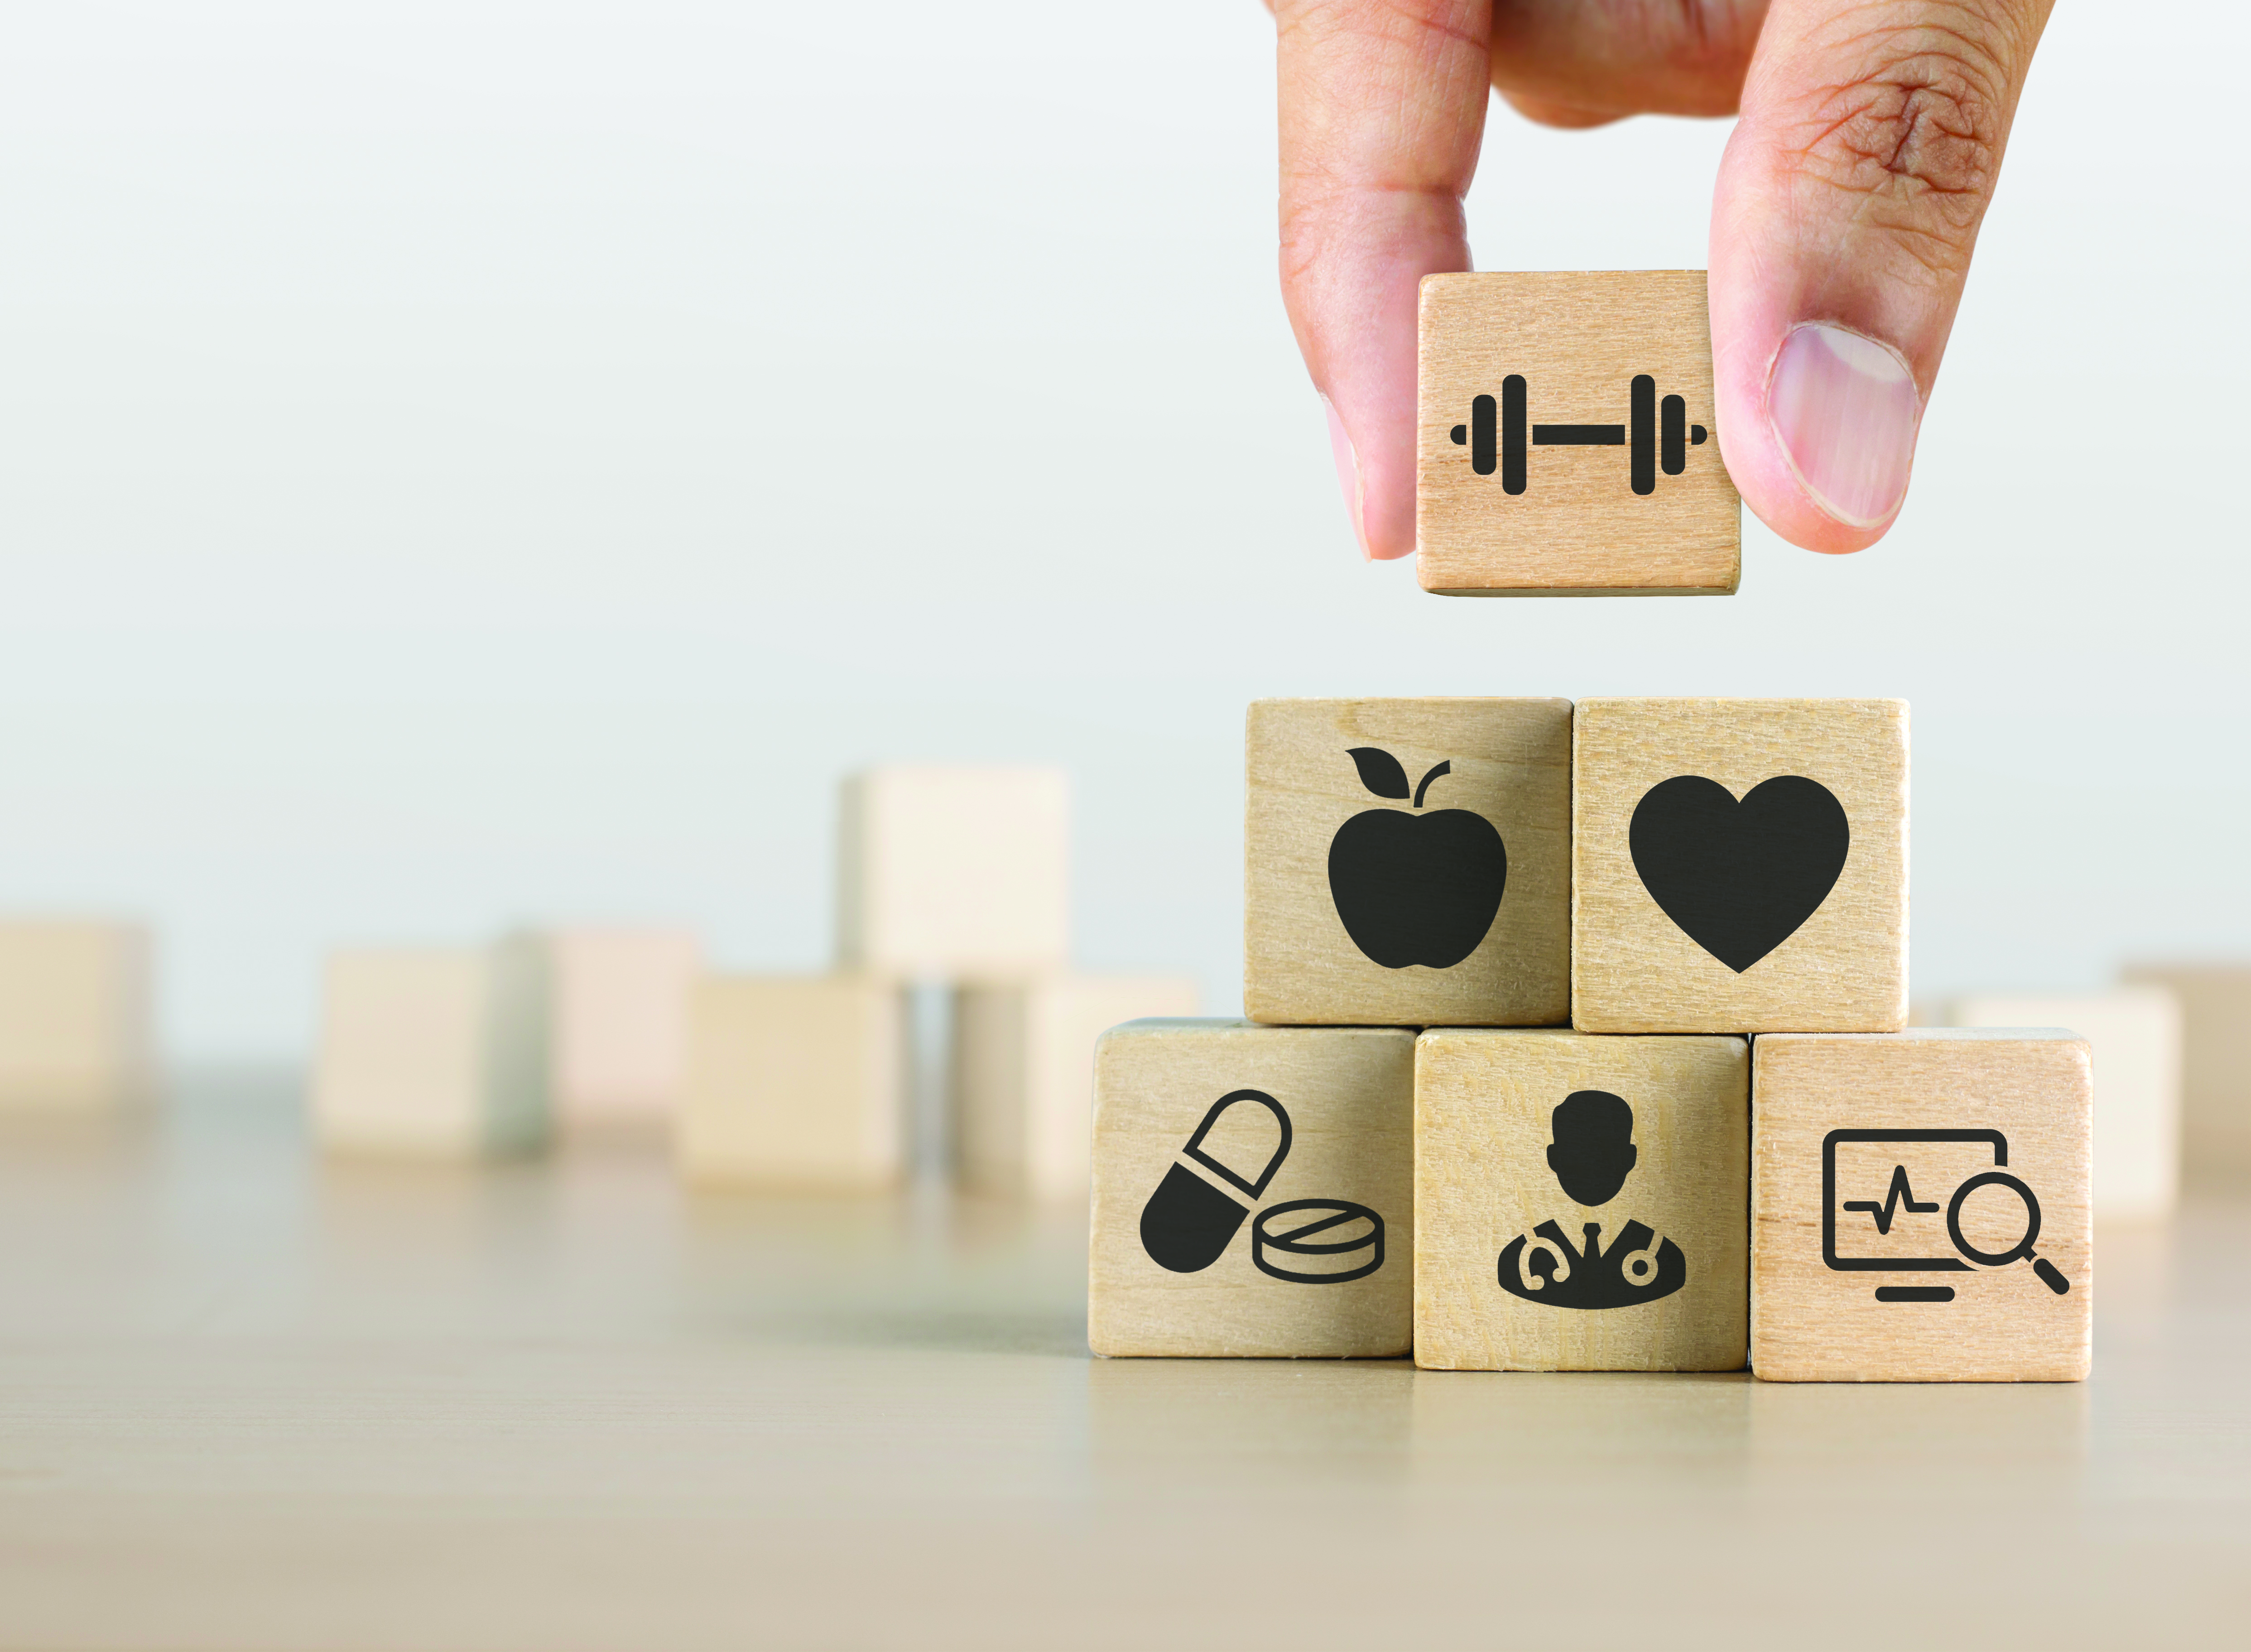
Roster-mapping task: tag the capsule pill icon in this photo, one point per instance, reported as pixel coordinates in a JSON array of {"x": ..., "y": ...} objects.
[{"x": 1188, "y": 1222}]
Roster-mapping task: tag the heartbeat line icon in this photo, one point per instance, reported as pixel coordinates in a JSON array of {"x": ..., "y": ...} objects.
[{"x": 1897, "y": 1194}]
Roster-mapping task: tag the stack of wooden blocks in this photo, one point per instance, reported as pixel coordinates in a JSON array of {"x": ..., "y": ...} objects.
[{"x": 1734, "y": 1152}]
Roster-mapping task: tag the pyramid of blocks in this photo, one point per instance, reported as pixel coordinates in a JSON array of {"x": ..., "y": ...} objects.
[{"x": 1575, "y": 1040}]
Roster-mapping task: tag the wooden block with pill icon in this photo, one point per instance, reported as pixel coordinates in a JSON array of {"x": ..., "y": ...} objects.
[
  {"x": 1581, "y": 1202},
  {"x": 1739, "y": 866},
  {"x": 1920, "y": 1206},
  {"x": 1567, "y": 439},
  {"x": 1253, "y": 1191}
]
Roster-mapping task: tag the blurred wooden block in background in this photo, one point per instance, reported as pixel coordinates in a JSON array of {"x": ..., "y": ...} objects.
[
  {"x": 1023, "y": 1075},
  {"x": 2134, "y": 1035},
  {"x": 1253, "y": 1191},
  {"x": 76, "y": 1014},
  {"x": 1566, "y": 438},
  {"x": 1581, "y": 1203},
  {"x": 1739, "y": 866},
  {"x": 950, "y": 873},
  {"x": 1894, "y": 1179},
  {"x": 2215, "y": 1001},
  {"x": 435, "y": 1051},
  {"x": 795, "y": 1082},
  {"x": 621, "y": 1024},
  {"x": 1407, "y": 863}
]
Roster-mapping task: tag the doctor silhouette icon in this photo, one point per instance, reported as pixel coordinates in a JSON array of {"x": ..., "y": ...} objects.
[{"x": 1591, "y": 1156}]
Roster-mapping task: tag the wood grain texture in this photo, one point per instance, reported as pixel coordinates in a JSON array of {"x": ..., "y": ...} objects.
[
  {"x": 1349, "y": 1095},
  {"x": 795, "y": 1082},
  {"x": 1023, "y": 1075},
  {"x": 1484, "y": 1119},
  {"x": 1510, "y": 763},
  {"x": 2215, "y": 1000},
  {"x": 1812, "y": 1322},
  {"x": 1843, "y": 969},
  {"x": 1578, "y": 338}
]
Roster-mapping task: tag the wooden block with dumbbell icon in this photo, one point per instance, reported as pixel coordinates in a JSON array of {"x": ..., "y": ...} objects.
[{"x": 1518, "y": 373}]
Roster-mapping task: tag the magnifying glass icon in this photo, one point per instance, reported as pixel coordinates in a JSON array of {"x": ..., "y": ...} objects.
[{"x": 2022, "y": 1250}]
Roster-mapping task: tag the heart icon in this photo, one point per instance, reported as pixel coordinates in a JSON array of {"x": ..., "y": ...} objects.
[{"x": 1739, "y": 878}]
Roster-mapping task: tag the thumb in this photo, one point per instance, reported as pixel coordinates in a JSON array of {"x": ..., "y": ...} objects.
[{"x": 1847, "y": 208}]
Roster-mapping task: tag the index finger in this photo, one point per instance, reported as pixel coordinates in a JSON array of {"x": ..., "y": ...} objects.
[{"x": 1382, "y": 109}]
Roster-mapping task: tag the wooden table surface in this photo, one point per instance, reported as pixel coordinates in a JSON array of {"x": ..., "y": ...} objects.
[{"x": 250, "y": 1399}]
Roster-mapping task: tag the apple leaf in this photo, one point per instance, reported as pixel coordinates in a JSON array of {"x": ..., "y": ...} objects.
[{"x": 1380, "y": 772}]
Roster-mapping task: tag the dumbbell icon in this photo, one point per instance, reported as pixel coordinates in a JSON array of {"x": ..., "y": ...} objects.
[{"x": 1661, "y": 434}]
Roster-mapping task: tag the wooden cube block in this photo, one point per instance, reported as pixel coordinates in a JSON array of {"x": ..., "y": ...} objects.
[
  {"x": 621, "y": 1024},
  {"x": 437, "y": 1051},
  {"x": 1253, "y": 1191},
  {"x": 2134, "y": 1034},
  {"x": 1919, "y": 1206},
  {"x": 1739, "y": 866},
  {"x": 1581, "y": 1203},
  {"x": 1407, "y": 862},
  {"x": 75, "y": 1015},
  {"x": 2215, "y": 1000},
  {"x": 795, "y": 1082},
  {"x": 1023, "y": 1075},
  {"x": 952, "y": 873},
  {"x": 1567, "y": 438}
]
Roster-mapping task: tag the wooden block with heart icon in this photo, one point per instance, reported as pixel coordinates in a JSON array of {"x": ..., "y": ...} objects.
[
  {"x": 1407, "y": 863},
  {"x": 1579, "y": 1201},
  {"x": 1253, "y": 1191},
  {"x": 1739, "y": 866}
]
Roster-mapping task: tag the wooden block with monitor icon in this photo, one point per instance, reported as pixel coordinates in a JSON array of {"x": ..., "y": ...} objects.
[
  {"x": 1253, "y": 1191},
  {"x": 1920, "y": 1206}
]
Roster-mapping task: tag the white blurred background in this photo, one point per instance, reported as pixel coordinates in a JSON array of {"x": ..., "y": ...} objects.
[{"x": 484, "y": 461}]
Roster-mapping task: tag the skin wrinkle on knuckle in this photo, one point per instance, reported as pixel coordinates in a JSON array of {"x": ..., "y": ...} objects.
[{"x": 1915, "y": 136}]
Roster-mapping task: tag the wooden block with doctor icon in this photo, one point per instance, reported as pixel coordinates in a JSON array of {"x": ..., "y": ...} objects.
[
  {"x": 1579, "y": 1201},
  {"x": 1407, "y": 863},
  {"x": 1253, "y": 1191}
]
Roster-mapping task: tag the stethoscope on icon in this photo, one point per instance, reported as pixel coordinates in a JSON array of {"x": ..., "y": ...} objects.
[{"x": 2022, "y": 1250}]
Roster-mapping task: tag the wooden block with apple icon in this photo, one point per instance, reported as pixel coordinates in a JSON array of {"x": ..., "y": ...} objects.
[
  {"x": 1739, "y": 866},
  {"x": 1253, "y": 1191},
  {"x": 1407, "y": 863}
]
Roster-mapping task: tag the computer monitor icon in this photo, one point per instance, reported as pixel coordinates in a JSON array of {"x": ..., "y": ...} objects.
[{"x": 1874, "y": 1238}]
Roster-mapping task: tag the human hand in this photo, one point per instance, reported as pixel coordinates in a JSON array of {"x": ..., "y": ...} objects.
[{"x": 1845, "y": 214}]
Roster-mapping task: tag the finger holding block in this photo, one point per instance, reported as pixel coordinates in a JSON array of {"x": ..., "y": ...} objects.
[
  {"x": 1253, "y": 1191},
  {"x": 1581, "y": 1203},
  {"x": 1739, "y": 866},
  {"x": 1920, "y": 1206},
  {"x": 1407, "y": 863},
  {"x": 1566, "y": 439}
]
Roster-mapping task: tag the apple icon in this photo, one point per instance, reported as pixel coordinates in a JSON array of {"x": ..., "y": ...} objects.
[{"x": 1410, "y": 887}]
